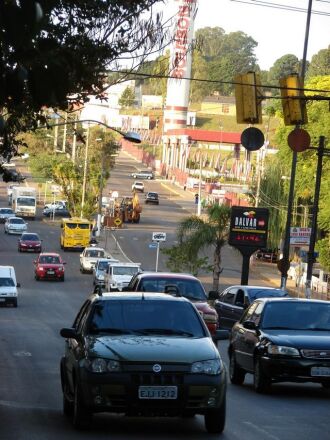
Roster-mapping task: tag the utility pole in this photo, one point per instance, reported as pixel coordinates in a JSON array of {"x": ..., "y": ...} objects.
[
  {"x": 99, "y": 209},
  {"x": 64, "y": 133},
  {"x": 85, "y": 173}
]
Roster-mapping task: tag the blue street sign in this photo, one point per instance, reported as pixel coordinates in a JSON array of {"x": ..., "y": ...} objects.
[{"x": 152, "y": 245}]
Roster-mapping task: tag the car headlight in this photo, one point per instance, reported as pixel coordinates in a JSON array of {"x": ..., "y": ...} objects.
[
  {"x": 60, "y": 269},
  {"x": 280, "y": 350},
  {"x": 212, "y": 366},
  {"x": 100, "y": 365},
  {"x": 100, "y": 277},
  {"x": 40, "y": 268}
]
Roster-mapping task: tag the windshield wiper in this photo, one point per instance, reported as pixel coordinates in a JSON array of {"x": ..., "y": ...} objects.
[
  {"x": 278, "y": 327},
  {"x": 110, "y": 331},
  {"x": 164, "y": 331}
]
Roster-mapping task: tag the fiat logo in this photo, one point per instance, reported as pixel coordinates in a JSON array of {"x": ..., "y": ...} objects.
[{"x": 156, "y": 368}]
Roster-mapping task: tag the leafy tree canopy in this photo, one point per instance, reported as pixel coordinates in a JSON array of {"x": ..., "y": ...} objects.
[
  {"x": 54, "y": 53},
  {"x": 320, "y": 63},
  {"x": 284, "y": 66}
]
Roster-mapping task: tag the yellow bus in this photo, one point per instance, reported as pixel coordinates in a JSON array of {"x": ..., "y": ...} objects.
[{"x": 75, "y": 233}]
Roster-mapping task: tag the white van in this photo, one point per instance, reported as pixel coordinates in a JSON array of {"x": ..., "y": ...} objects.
[
  {"x": 8, "y": 285},
  {"x": 118, "y": 275}
]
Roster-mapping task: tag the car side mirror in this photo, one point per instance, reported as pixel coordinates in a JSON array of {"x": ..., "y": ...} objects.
[
  {"x": 213, "y": 294},
  {"x": 250, "y": 325},
  {"x": 126, "y": 289},
  {"x": 35, "y": 262},
  {"x": 69, "y": 333},
  {"x": 18, "y": 285},
  {"x": 63, "y": 262}
]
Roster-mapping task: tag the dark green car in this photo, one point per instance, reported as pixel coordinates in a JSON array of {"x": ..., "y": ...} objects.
[{"x": 142, "y": 354}]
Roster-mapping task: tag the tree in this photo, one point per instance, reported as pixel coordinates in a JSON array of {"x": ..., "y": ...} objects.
[
  {"x": 127, "y": 98},
  {"x": 182, "y": 259},
  {"x": 284, "y": 66},
  {"x": 320, "y": 63},
  {"x": 56, "y": 53},
  {"x": 197, "y": 233}
]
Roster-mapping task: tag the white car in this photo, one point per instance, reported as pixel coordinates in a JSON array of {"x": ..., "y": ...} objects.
[
  {"x": 89, "y": 257},
  {"x": 138, "y": 186},
  {"x": 55, "y": 205},
  {"x": 15, "y": 225},
  {"x": 6, "y": 213}
]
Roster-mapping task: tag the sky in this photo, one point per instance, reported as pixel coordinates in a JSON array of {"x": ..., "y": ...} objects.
[{"x": 278, "y": 32}]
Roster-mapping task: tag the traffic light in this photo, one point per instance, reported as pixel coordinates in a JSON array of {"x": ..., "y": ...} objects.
[
  {"x": 293, "y": 102},
  {"x": 248, "y": 98}
]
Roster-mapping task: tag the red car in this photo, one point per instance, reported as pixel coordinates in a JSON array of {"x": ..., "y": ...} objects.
[
  {"x": 49, "y": 266},
  {"x": 29, "y": 242},
  {"x": 178, "y": 284}
]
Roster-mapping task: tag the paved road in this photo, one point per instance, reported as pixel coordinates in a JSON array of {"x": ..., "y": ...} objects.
[{"x": 30, "y": 394}]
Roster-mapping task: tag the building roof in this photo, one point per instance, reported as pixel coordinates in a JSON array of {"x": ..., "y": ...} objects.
[
  {"x": 220, "y": 99},
  {"x": 206, "y": 135}
]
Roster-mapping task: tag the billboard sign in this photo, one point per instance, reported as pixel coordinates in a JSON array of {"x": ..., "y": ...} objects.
[
  {"x": 248, "y": 227},
  {"x": 300, "y": 236}
]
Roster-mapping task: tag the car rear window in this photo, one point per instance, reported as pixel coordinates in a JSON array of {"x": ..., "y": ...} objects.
[
  {"x": 146, "y": 317},
  {"x": 30, "y": 237},
  {"x": 191, "y": 289},
  {"x": 266, "y": 293}
]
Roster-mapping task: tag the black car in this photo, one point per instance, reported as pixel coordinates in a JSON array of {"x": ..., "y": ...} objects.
[
  {"x": 152, "y": 197},
  {"x": 270, "y": 255},
  {"x": 141, "y": 354},
  {"x": 281, "y": 340},
  {"x": 233, "y": 301},
  {"x": 59, "y": 211}
]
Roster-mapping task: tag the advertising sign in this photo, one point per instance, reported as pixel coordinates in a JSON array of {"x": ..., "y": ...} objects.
[
  {"x": 300, "y": 236},
  {"x": 248, "y": 227}
]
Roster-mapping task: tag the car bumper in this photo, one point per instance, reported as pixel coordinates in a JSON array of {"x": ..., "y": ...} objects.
[
  {"x": 119, "y": 393},
  {"x": 294, "y": 370},
  {"x": 48, "y": 276},
  {"x": 30, "y": 249}
]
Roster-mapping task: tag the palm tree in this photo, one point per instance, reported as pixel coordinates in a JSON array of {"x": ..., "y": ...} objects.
[{"x": 198, "y": 233}]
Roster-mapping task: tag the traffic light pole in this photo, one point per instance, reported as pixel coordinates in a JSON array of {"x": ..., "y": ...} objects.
[{"x": 310, "y": 255}]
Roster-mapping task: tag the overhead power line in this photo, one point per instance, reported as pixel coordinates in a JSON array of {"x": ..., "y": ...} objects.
[{"x": 282, "y": 6}]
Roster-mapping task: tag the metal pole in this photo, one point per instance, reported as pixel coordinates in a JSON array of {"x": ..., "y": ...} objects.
[
  {"x": 199, "y": 204},
  {"x": 310, "y": 254},
  {"x": 157, "y": 256},
  {"x": 55, "y": 138},
  {"x": 85, "y": 174},
  {"x": 99, "y": 210},
  {"x": 64, "y": 133},
  {"x": 286, "y": 244}
]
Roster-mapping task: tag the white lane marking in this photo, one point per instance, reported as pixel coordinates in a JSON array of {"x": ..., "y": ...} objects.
[
  {"x": 20, "y": 405},
  {"x": 264, "y": 433},
  {"x": 22, "y": 354},
  {"x": 120, "y": 249}
]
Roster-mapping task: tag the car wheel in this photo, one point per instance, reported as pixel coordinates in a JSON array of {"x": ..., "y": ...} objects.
[
  {"x": 81, "y": 415},
  {"x": 62, "y": 278},
  {"x": 326, "y": 385},
  {"x": 261, "y": 381},
  {"x": 215, "y": 419},
  {"x": 236, "y": 374},
  {"x": 36, "y": 277},
  {"x": 67, "y": 402},
  {"x": 82, "y": 270},
  {"x": 15, "y": 302},
  {"x": 19, "y": 250}
]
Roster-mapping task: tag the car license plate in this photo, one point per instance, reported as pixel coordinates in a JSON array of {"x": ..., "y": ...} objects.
[
  {"x": 158, "y": 392},
  {"x": 320, "y": 371},
  {"x": 50, "y": 272}
]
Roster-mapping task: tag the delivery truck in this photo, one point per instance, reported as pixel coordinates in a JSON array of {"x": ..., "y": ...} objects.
[{"x": 24, "y": 201}]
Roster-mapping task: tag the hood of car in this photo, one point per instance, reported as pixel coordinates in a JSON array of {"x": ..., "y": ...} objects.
[
  {"x": 310, "y": 339},
  {"x": 151, "y": 348},
  {"x": 49, "y": 265},
  {"x": 30, "y": 242}
]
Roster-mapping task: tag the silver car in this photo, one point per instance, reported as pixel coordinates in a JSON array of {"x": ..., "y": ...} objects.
[
  {"x": 99, "y": 270},
  {"x": 15, "y": 225},
  {"x": 6, "y": 213}
]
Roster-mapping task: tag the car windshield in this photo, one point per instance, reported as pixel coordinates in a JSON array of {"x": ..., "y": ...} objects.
[
  {"x": 6, "y": 282},
  {"x": 296, "y": 315},
  {"x": 188, "y": 288},
  {"x": 266, "y": 293},
  {"x": 145, "y": 317},
  {"x": 103, "y": 265},
  {"x": 30, "y": 237},
  {"x": 94, "y": 253},
  {"x": 153, "y": 195},
  {"x": 124, "y": 270},
  {"x": 26, "y": 201},
  {"x": 48, "y": 259},
  {"x": 17, "y": 221},
  {"x": 6, "y": 211}
]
